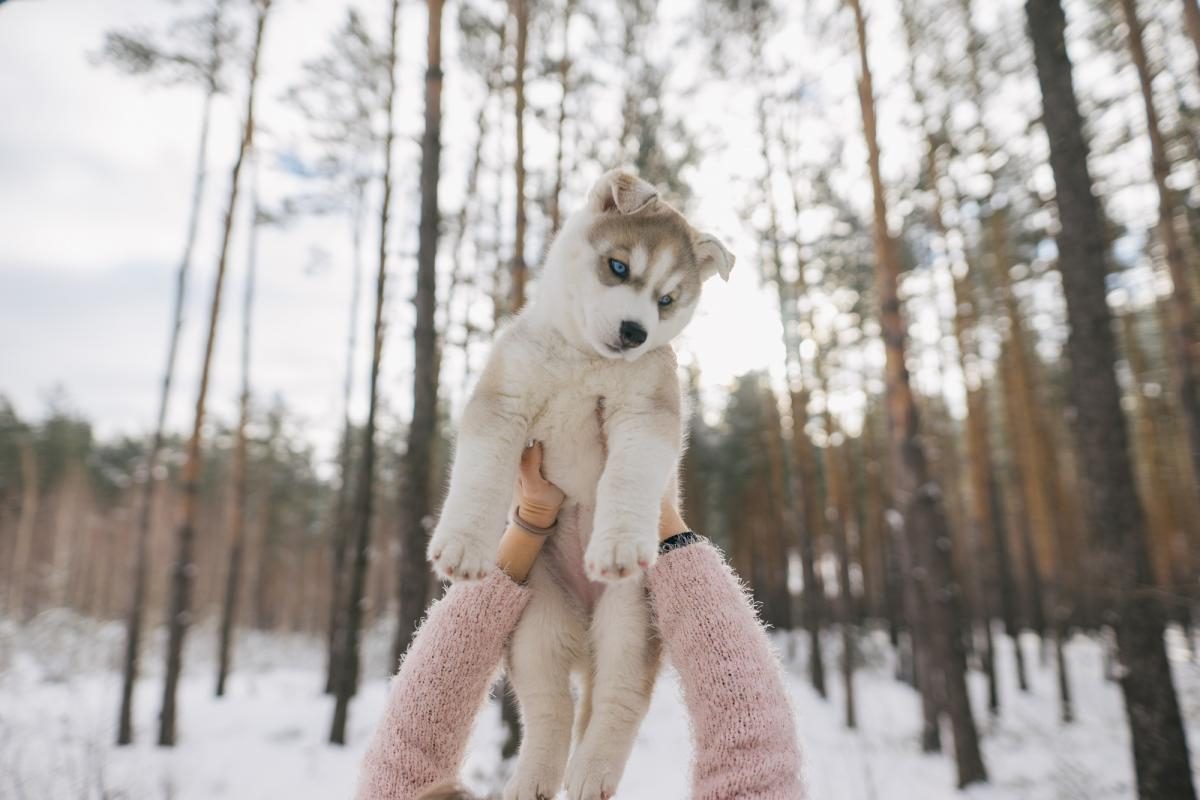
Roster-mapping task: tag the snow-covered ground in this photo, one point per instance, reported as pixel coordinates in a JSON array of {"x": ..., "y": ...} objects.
[{"x": 266, "y": 738}]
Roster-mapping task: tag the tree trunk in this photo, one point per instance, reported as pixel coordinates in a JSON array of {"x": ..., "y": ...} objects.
[
  {"x": 887, "y": 588},
  {"x": 520, "y": 10},
  {"x": 237, "y": 546},
  {"x": 413, "y": 572},
  {"x": 1066, "y": 712},
  {"x": 1160, "y": 751},
  {"x": 1047, "y": 534},
  {"x": 135, "y": 617},
  {"x": 779, "y": 519},
  {"x": 564, "y": 84},
  {"x": 916, "y": 493},
  {"x": 778, "y": 489},
  {"x": 1165, "y": 498},
  {"x": 813, "y": 590},
  {"x": 806, "y": 488},
  {"x": 1032, "y": 440},
  {"x": 926, "y": 668},
  {"x": 339, "y": 540},
  {"x": 1184, "y": 343},
  {"x": 982, "y": 506},
  {"x": 18, "y": 580},
  {"x": 184, "y": 569},
  {"x": 1001, "y": 537},
  {"x": 346, "y": 674},
  {"x": 836, "y": 513},
  {"x": 1191, "y": 12},
  {"x": 457, "y": 277}
]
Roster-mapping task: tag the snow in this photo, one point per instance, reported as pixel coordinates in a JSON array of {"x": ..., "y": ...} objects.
[{"x": 267, "y": 738}]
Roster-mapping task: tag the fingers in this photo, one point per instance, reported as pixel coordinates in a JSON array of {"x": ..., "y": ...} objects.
[{"x": 531, "y": 461}]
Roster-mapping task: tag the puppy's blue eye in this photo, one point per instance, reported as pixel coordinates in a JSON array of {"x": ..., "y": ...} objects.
[
  {"x": 665, "y": 301},
  {"x": 619, "y": 268}
]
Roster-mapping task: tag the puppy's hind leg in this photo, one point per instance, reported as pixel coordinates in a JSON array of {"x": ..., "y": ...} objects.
[
  {"x": 546, "y": 643},
  {"x": 626, "y": 663}
]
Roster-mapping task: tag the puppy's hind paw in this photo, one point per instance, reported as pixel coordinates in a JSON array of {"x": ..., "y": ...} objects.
[
  {"x": 590, "y": 779},
  {"x": 615, "y": 557},
  {"x": 458, "y": 555},
  {"x": 529, "y": 784}
]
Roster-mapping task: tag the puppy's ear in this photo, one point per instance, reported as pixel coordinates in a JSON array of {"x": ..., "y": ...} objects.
[
  {"x": 713, "y": 257},
  {"x": 622, "y": 192}
]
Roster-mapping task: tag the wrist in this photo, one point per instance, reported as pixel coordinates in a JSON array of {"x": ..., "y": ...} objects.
[
  {"x": 670, "y": 523},
  {"x": 518, "y": 551}
]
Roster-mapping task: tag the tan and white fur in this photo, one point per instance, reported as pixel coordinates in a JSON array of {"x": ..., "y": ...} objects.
[{"x": 588, "y": 370}]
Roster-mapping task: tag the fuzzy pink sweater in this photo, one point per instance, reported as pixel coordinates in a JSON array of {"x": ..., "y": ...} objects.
[{"x": 745, "y": 737}]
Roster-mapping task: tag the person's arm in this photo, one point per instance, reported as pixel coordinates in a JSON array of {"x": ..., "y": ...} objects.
[
  {"x": 732, "y": 683},
  {"x": 447, "y": 670},
  {"x": 441, "y": 683}
]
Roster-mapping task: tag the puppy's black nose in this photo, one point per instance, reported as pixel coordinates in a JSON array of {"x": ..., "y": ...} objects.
[{"x": 632, "y": 334}]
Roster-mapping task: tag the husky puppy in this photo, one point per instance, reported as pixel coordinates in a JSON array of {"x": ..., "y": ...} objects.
[{"x": 588, "y": 370}]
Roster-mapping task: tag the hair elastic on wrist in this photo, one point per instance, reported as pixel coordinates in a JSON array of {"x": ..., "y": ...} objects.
[
  {"x": 682, "y": 539},
  {"x": 515, "y": 519}
]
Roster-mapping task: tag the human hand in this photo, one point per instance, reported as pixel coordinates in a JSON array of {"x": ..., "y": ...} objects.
[{"x": 538, "y": 500}]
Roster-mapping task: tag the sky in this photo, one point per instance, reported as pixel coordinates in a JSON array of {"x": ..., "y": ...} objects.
[{"x": 95, "y": 176}]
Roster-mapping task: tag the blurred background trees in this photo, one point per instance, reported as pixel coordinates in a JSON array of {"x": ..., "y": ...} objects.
[{"x": 982, "y": 426}]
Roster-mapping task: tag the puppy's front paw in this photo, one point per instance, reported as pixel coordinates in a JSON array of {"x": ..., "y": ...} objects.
[
  {"x": 461, "y": 554},
  {"x": 616, "y": 554}
]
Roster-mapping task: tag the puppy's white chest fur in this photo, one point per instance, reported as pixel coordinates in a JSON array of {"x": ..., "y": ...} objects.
[{"x": 582, "y": 393}]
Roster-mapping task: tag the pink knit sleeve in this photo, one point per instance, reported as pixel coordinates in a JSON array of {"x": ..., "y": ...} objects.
[
  {"x": 441, "y": 684},
  {"x": 741, "y": 718}
]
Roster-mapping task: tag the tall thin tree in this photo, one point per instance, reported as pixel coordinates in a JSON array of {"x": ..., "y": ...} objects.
[
  {"x": 346, "y": 674},
  {"x": 980, "y": 485},
  {"x": 1191, "y": 13},
  {"x": 520, "y": 12},
  {"x": 803, "y": 489},
  {"x": 241, "y": 478},
  {"x": 1115, "y": 515},
  {"x": 341, "y": 97},
  {"x": 915, "y": 492},
  {"x": 413, "y": 574},
  {"x": 564, "y": 88},
  {"x": 978, "y": 432},
  {"x": 837, "y": 519},
  {"x": 1184, "y": 342},
  {"x": 183, "y": 571},
  {"x": 806, "y": 488},
  {"x": 140, "y": 56}
]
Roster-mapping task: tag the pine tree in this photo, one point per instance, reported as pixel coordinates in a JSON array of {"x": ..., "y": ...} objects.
[
  {"x": 520, "y": 13},
  {"x": 346, "y": 673},
  {"x": 810, "y": 522},
  {"x": 238, "y": 513},
  {"x": 183, "y": 569},
  {"x": 201, "y": 63},
  {"x": 1191, "y": 13},
  {"x": 564, "y": 86},
  {"x": 917, "y": 495},
  {"x": 340, "y": 97},
  {"x": 418, "y": 477},
  {"x": 1184, "y": 339},
  {"x": 1114, "y": 511}
]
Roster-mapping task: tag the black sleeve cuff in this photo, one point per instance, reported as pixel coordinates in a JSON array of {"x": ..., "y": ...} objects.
[{"x": 677, "y": 541}]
